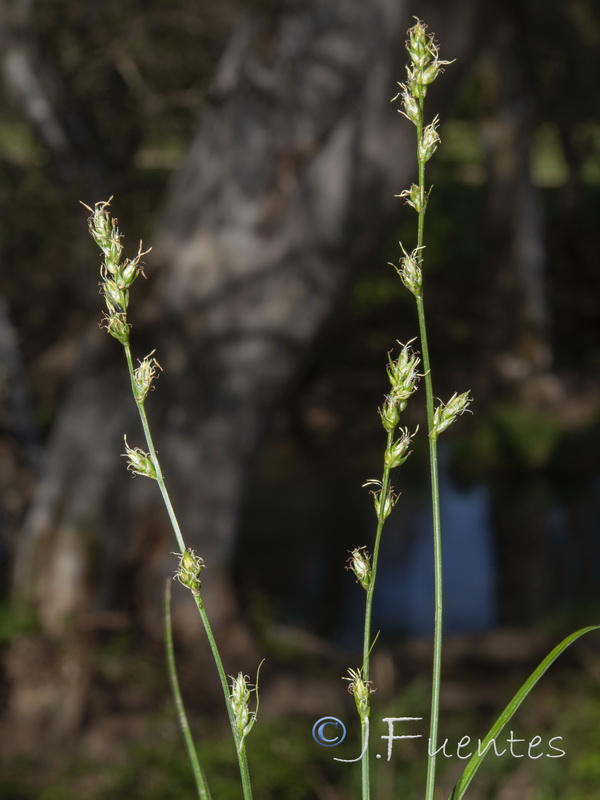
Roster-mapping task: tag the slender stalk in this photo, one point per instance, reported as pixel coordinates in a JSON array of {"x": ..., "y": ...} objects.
[
  {"x": 385, "y": 486},
  {"x": 240, "y": 746},
  {"x": 152, "y": 451},
  {"x": 403, "y": 377},
  {"x": 437, "y": 560},
  {"x": 199, "y": 776},
  {"x": 366, "y": 664},
  {"x": 117, "y": 277},
  {"x": 423, "y": 69},
  {"x": 435, "y": 492}
]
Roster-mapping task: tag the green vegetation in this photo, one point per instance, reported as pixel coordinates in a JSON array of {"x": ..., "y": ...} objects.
[
  {"x": 118, "y": 275},
  {"x": 290, "y": 766},
  {"x": 285, "y": 762}
]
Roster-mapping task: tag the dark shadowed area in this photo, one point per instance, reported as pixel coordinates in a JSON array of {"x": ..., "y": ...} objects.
[{"x": 252, "y": 144}]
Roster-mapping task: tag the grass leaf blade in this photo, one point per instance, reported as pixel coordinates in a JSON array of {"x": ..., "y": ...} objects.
[
  {"x": 475, "y": 762},
  {"x": 199, "y": 776}
]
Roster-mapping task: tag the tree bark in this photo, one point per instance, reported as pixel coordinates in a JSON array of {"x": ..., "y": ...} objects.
[
  {"x": 19, "y": 442},
  {"x": 36, "y": 87},
  {"x": 518, "y": 338}
]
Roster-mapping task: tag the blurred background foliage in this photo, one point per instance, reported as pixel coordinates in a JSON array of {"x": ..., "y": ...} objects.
[{"x": 130, "y": 80}]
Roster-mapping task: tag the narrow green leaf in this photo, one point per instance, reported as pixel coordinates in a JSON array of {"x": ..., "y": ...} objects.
[
  {"x": 474, "y": 763},
  {"x": 199, "y": 776}
]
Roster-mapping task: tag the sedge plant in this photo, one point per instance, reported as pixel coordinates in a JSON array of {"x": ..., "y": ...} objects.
[
  {"x": 405, "y": 371},
  {"x": 423, "y": 69},
  {"x": 117, "y": 276}
]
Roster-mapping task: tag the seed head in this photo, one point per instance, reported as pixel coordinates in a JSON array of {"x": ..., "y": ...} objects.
[
  {"x": 414, "y": 197},
  {"x": 410, "y": 270},
  {"x": 390, "y": 413},
  {"x": 397, "y": 453},
  {"x": 117, "y": 299},
  {"x": 383, "y": 505},
  {"x": 419, "y": 45},
  {"x": 188, "y": 572},
  {"x": 139, "y": 462},
  {"x": 402, "y": 373},
  {"x": 117, "y": 276},
  {"x": 361, "y": 690},
  {"x": 424, "y": 55},
  {"x": 429, "y": 141},
  {"x": 105, "y": 232},
  {"x": 143, "y": 377},
  {"x": 410, "y": 107},
  {"x": 117, "y": 326},
  {"x": 133, "y": 267},
  {"x": 445, "y": 414},
  {"x": 360, "y": 564},
  {"x": 239, "y": 700}
]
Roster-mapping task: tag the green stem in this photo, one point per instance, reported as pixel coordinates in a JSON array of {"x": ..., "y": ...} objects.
[
  {"x": 240, "y": 747},
  {"x": 437, "y": 560},
  {"x": 152, "y": 450},
  {"x": 435, "y": 502},
  {"x": 199, "y": 776},
  {"x": 385, "y": 485}
]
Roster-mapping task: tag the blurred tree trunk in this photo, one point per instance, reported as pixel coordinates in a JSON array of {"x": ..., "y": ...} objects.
[
  {"x": 37, "y": 88},
  {"x": 285, "y": 192},
  {"x": 518, "y": 336},
  {"x": 19, "y": 442}
]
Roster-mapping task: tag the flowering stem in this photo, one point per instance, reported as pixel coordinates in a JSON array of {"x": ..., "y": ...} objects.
[
  {"x": 117, "y": 277},
  {"x": 423, "y": 69},
  {"x": 437, "y": 558},
  {"x": 403, "y": 377},
  {"x": 240, "y": 747},
  {"x": 152, "y": 451},
  {"x": 385, "y": 488},
  {"x": 435, "y": 491}
]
